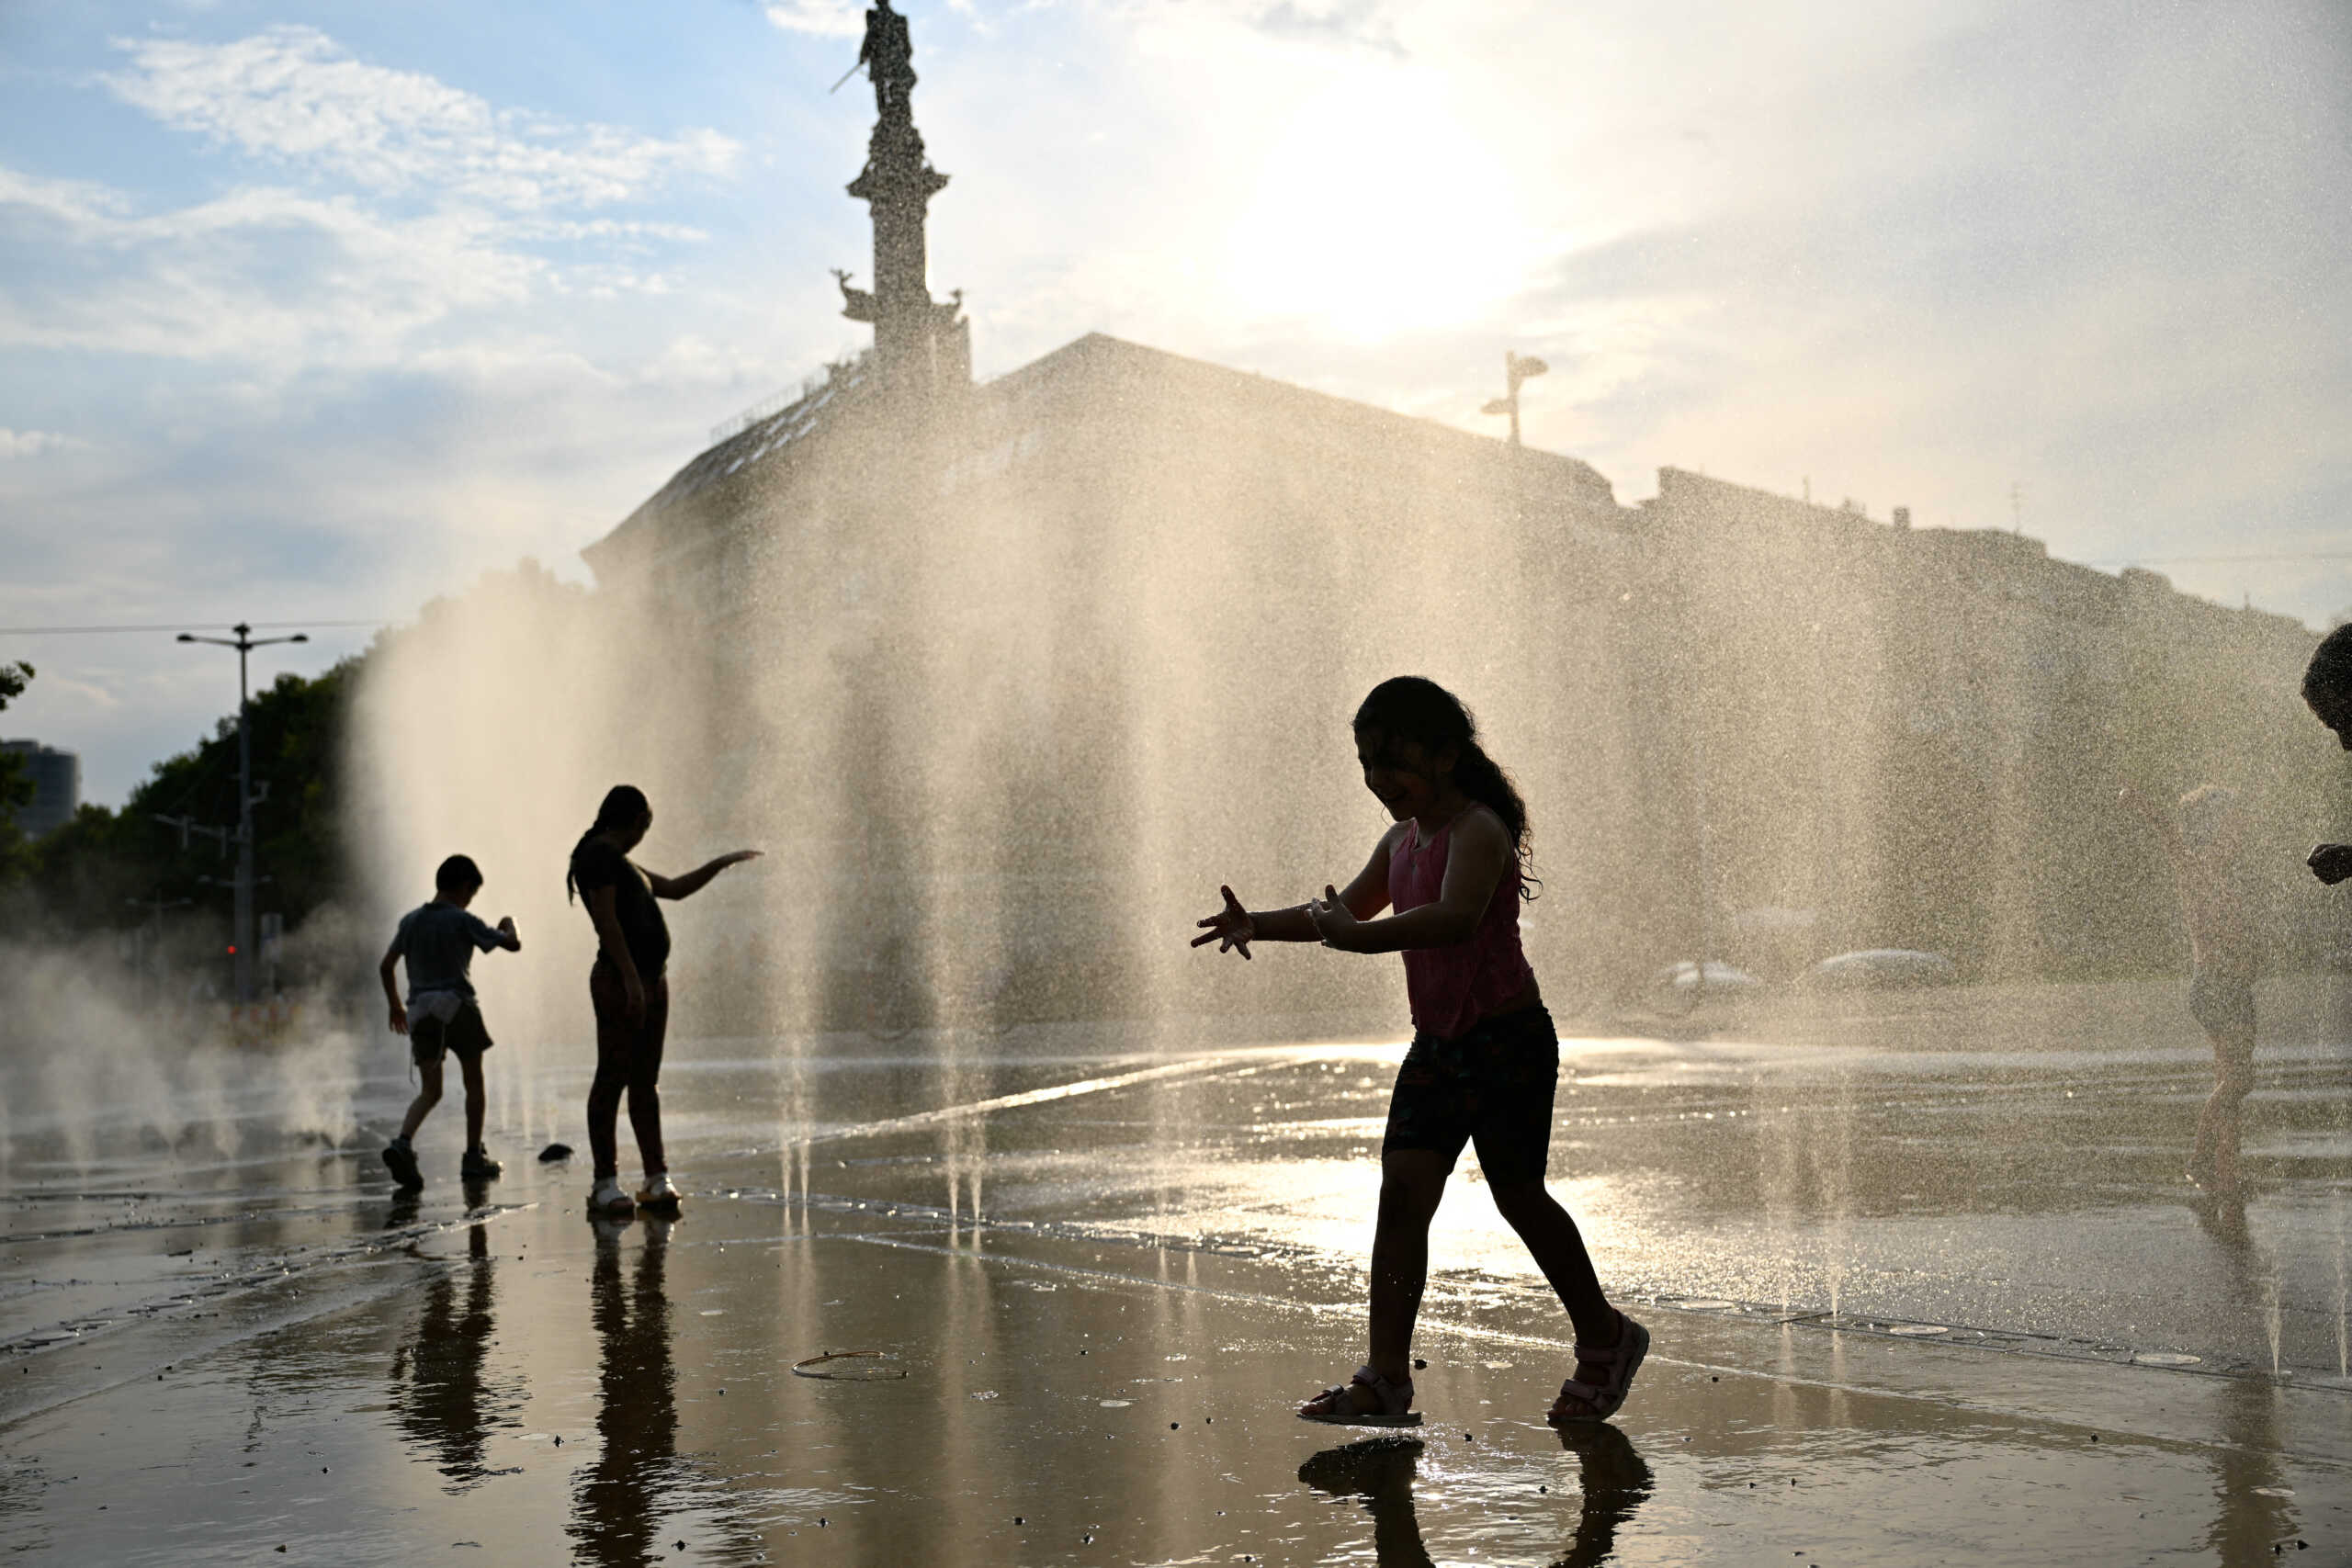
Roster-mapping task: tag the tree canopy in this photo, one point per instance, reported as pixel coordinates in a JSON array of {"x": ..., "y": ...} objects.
[{"x": 93, "y": 872}]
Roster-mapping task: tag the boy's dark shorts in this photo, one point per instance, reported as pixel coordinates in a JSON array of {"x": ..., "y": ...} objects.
[
  {"x": 1490, "y": 1086},
  {"x": 464, "y": 1036}
]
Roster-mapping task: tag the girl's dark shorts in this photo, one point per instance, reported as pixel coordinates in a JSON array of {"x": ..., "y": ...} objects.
[
  {"x": 1490, "y": 1086},
  {"x": 628, "y": 1051}
]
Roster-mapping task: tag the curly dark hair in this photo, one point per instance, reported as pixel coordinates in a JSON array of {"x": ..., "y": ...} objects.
[
  {"x": 2331, "y": 666},
  {"x": 1415, "y": 708}
]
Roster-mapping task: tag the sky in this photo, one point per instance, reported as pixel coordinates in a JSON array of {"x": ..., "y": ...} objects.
[{"x": 308, "y": 314}]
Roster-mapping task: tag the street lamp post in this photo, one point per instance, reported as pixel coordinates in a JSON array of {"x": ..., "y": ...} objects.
[
  {"x": 1517, "y": 367},
  {"x": 245, "y": 642}
]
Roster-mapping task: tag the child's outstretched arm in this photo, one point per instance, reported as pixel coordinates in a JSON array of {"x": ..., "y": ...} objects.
[
  {"x": 693, "y": 882},
  {"x": 392, "y": 988},
  {"x": 488, "y": 937},
  {"x": 1481, "y": 853},
  {"x": 1234, "y": 927}
]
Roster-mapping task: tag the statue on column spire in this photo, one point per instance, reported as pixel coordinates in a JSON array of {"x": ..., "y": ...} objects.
[
  {"x": 887, "y": 55},
  {"x": 921, "y": 345}
]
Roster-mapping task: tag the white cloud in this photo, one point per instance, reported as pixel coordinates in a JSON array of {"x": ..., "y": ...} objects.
[
  {"x": 449, "y": 205},
  {"x": 16, "y": 444},
  {"x": 292, "y": 95},
  {"x": 212, "y": 281},
  {"x": 67, "y": 201},
  {"x": 605, "y": 229},
  {"x": 831, "y": 18}
]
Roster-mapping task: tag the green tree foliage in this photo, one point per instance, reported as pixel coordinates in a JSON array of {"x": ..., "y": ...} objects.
[{"x": 89, "y": 873}]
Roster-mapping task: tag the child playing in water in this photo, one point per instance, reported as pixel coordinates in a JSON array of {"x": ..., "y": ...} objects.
[
  {"x": 2205, "y": 840},
  {"x": 628, "y": 988},
  {"x": 438, "y": 941},
  {"x": 1485, "y": 1058}
]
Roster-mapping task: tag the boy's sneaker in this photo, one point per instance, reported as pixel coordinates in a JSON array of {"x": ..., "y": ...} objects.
[
  {"x": 401, "y": 1160},
  {"x": 479, "y": 1166},
  {"x": 656, "y": 1193},
  {"x": 608, "y": 1198}
]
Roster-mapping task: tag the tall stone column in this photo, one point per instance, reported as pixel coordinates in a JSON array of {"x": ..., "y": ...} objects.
[{"x": 919, "y": 343}]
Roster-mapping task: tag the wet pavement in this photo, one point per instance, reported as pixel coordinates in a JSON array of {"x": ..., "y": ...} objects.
[{"x": 1925, "y": 1283}]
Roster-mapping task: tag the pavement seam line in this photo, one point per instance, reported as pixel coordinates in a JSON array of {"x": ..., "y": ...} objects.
[{"x": 1027, "y": 1097}]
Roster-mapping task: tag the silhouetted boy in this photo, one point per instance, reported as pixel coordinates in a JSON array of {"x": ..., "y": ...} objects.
[{"x": 438, "y": 942}]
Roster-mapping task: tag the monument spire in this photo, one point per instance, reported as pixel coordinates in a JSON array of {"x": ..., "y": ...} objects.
[{"x": 921, "y": 345}]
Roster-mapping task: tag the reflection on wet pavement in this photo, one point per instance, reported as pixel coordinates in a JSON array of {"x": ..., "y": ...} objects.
[
  {"x": 439, "y": 1397},
  {"x": 1924, "y": 1287},
  {"x": 617, "y": 1506},
  {"x": 1610, "y": 1481}
]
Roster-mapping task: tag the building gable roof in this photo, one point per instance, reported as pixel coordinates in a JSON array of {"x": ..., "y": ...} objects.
[
  {"x": 761, "y": 440},
  {"x": 1095, "y": 370}
]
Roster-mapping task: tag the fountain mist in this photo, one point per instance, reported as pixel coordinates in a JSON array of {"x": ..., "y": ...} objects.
[{"x": 1005, "y": 693}]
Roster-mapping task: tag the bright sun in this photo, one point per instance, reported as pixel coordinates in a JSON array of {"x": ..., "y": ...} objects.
[{"x": 1378, "y": 212}]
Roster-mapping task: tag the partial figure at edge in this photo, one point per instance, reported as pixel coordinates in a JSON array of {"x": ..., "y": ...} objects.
[
  {"x": 2204, "y": 838},
  {"x": 2327, "y": 692}
]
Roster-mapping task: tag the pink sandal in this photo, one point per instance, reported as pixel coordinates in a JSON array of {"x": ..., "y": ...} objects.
[
  {"x": 1394, "y": 1408},
  {"x": 1622, "y": 1359}
]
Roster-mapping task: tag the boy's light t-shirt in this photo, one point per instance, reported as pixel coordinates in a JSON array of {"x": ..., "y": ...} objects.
[{"x": 438, "y": 942}]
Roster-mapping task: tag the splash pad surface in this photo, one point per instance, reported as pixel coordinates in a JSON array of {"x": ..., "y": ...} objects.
[{"x": 1107, "y": 1273}]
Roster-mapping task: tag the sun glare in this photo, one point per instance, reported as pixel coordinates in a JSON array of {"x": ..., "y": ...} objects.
[{"x": 1378, "y": 212}]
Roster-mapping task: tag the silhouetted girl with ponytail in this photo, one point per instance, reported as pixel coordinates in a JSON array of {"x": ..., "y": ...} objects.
[
  {"x": 1484, "y": 1060},
  {"x": 630, "y": 992}
]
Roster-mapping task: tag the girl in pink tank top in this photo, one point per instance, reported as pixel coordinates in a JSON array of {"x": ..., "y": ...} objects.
[
  {"x": 1484, "y": 1062},
  {"x": 1453, "y": 987}
]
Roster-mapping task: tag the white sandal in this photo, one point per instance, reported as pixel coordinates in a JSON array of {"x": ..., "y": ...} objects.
[
  {"x": 1395, "y": 1409},
  {"x": 1622, "y": 1359}
]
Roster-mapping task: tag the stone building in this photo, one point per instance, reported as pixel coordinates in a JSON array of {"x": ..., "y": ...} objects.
[{"x": 1921, "y": 731}]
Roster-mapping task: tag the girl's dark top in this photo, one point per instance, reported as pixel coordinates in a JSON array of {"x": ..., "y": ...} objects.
[{"x": 597, "y": 864}]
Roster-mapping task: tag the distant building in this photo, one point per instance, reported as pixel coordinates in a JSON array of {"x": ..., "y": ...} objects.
[
  {"x": 57, "y": 785},
  {"x": 1920, "y": 731}
]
